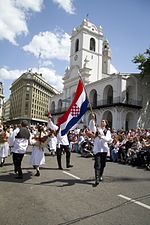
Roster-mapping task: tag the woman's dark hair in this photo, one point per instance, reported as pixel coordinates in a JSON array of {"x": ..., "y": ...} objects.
[
  {"x": 107, "y": 125},
  {"x": 106, "y": 121}
]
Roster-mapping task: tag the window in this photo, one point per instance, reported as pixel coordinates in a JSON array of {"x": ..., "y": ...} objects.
[
  {"x": 77, "y": 45},
  {"x": 92, "y": 44}
]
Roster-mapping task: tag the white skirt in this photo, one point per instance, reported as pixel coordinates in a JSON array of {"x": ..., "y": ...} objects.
[
  {"x": 37, "y": 157},
  {"x": 4, "y": 150}
]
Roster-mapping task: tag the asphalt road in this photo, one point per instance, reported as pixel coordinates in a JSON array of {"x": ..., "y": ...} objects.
[{"x": 68, "y": 197}]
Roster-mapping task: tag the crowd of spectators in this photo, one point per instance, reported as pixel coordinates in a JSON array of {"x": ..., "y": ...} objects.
[{"x": 128, "y": 147}]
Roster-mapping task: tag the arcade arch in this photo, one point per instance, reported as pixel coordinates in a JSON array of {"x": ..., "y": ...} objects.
[
  {"x": 93, "y": 98},
  {"x": 108, "y": 94}
]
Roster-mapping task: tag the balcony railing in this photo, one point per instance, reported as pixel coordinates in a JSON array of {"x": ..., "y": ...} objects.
[{"x": 118, "y": 101}]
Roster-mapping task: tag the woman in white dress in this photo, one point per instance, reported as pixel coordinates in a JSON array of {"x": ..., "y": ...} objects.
[
  {"x": 39, "y": 142},
  {"x": 52, "y": 144},
  {"x": 4, "y": 146},
  {"x": 92, "y": 123}
]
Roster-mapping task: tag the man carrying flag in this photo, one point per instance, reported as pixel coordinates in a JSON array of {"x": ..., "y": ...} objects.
[{"x": 68, "y": 121}]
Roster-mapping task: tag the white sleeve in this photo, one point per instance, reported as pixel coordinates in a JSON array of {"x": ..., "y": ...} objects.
[
  {"x": 107, "y": 138},
  {"x": 12, "y": 137},
  {"x": 52, "y": 126}
]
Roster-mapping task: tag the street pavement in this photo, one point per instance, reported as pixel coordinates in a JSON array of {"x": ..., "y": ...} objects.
[{"x": 64, "y": 197}]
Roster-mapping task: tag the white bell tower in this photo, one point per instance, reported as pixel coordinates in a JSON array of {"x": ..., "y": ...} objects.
[
  {"x": 86, "y": 45},
  {"x": 85, "y": 56}
]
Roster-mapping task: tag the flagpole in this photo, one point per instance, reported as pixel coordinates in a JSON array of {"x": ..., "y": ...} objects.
[{"x": 85, "y": 91}]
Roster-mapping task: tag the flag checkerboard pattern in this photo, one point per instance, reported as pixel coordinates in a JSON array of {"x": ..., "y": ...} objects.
[{"x": 75, "y": 111}]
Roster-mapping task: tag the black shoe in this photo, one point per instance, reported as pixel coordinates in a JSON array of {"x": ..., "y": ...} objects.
[
  {"x": 37, "y": 174},
  {"x": 60, "y": 168},
  {"x": 95, "y": 184},
  {"x": 69, "y": 166}
]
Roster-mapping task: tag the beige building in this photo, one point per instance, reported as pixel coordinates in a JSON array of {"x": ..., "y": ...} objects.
[
  {"x": 29, "y": 99},
  {"x": 6, "y": 111},
  {"x": 1, "y": 102}
]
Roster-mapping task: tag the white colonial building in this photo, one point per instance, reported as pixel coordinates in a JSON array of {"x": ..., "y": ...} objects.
[{"x": 120, "y": 98}]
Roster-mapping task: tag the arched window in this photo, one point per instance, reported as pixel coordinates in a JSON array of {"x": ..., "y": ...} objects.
[
  {"x": 59, "y": 105},
  {"x": 130, "y": 121},
  {"x": 53, "y": 107},
  {"x": 77, "y": 45},
  {"x": 92, "y": 44},
  {"x": 108, "y": 95}
]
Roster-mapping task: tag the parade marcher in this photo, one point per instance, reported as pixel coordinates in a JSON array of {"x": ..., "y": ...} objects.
[
  {"x": 101, "y": 139},
  {"x": 62, "y": 144},
  {"x": 39, "y": 142},
  {"x": 21, "y": 138},
  {"x": 100, "y": 150},
  {"x": 92, "y": 123},
  {"x": 4, "y": 146},
  {"x": 52, "y": 144}
]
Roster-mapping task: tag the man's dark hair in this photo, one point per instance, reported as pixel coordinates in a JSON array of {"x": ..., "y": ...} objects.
[{"x": 24, "y": 123}]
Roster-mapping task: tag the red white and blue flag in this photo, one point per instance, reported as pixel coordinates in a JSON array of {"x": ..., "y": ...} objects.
[{"x": 76, "y": 110}]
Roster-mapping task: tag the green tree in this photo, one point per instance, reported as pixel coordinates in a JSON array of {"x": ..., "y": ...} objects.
[{"x": 143, "y": 61}]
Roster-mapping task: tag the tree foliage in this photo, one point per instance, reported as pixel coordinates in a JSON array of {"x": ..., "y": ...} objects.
[{"x": 143, "y": 61}]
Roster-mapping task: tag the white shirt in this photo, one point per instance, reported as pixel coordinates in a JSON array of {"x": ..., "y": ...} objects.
[
  {"x": 20, "y": 145},
  {"x": 92, "y": 126},
  {"x": 53, "y": 143},
  {"x": 61, "y": 140},
  {"x": 101, "y": 143}
]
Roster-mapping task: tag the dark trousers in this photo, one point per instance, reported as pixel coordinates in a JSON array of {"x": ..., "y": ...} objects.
[
  {"x": 99, "y": 165},
  {"x": 17, "y": 159},
  {"x": 59, "y": 154}
]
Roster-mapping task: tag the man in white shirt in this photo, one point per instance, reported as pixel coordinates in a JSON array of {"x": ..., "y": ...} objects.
[{"x": 20, "y": 143}]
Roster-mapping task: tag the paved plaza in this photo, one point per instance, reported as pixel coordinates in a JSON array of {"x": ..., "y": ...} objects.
[{"x": 63, "y": 197}]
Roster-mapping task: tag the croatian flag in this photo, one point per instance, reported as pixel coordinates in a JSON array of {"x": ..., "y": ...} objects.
[{"x": 76, "y": 110}]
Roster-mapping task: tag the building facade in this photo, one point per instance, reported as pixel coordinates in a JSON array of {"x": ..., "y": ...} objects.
[
  {"x": 6, "y": 111},
  {"x": 29, "y": 99},
  {"x": 119, "y": 98}
]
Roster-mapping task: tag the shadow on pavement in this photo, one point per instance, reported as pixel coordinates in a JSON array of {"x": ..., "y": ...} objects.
[
  {"x": 67, "y": 182},
  {"x": 110, "y": 179},
  {"x": 12, "y": 177}
]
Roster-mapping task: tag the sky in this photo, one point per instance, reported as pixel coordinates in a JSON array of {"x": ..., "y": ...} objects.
[{"x": 35, "y": 34}]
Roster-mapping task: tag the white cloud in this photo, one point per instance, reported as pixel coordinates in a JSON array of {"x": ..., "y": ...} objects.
[
  {"x": 13, "y": 17},
  {"x": 49, "y": 75},
  {"x": 50, "y": 45},
  {"x": 67, "y": 5},
  {"x": 34, "y": 5},
  {"x": 6, "y": 74}
]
